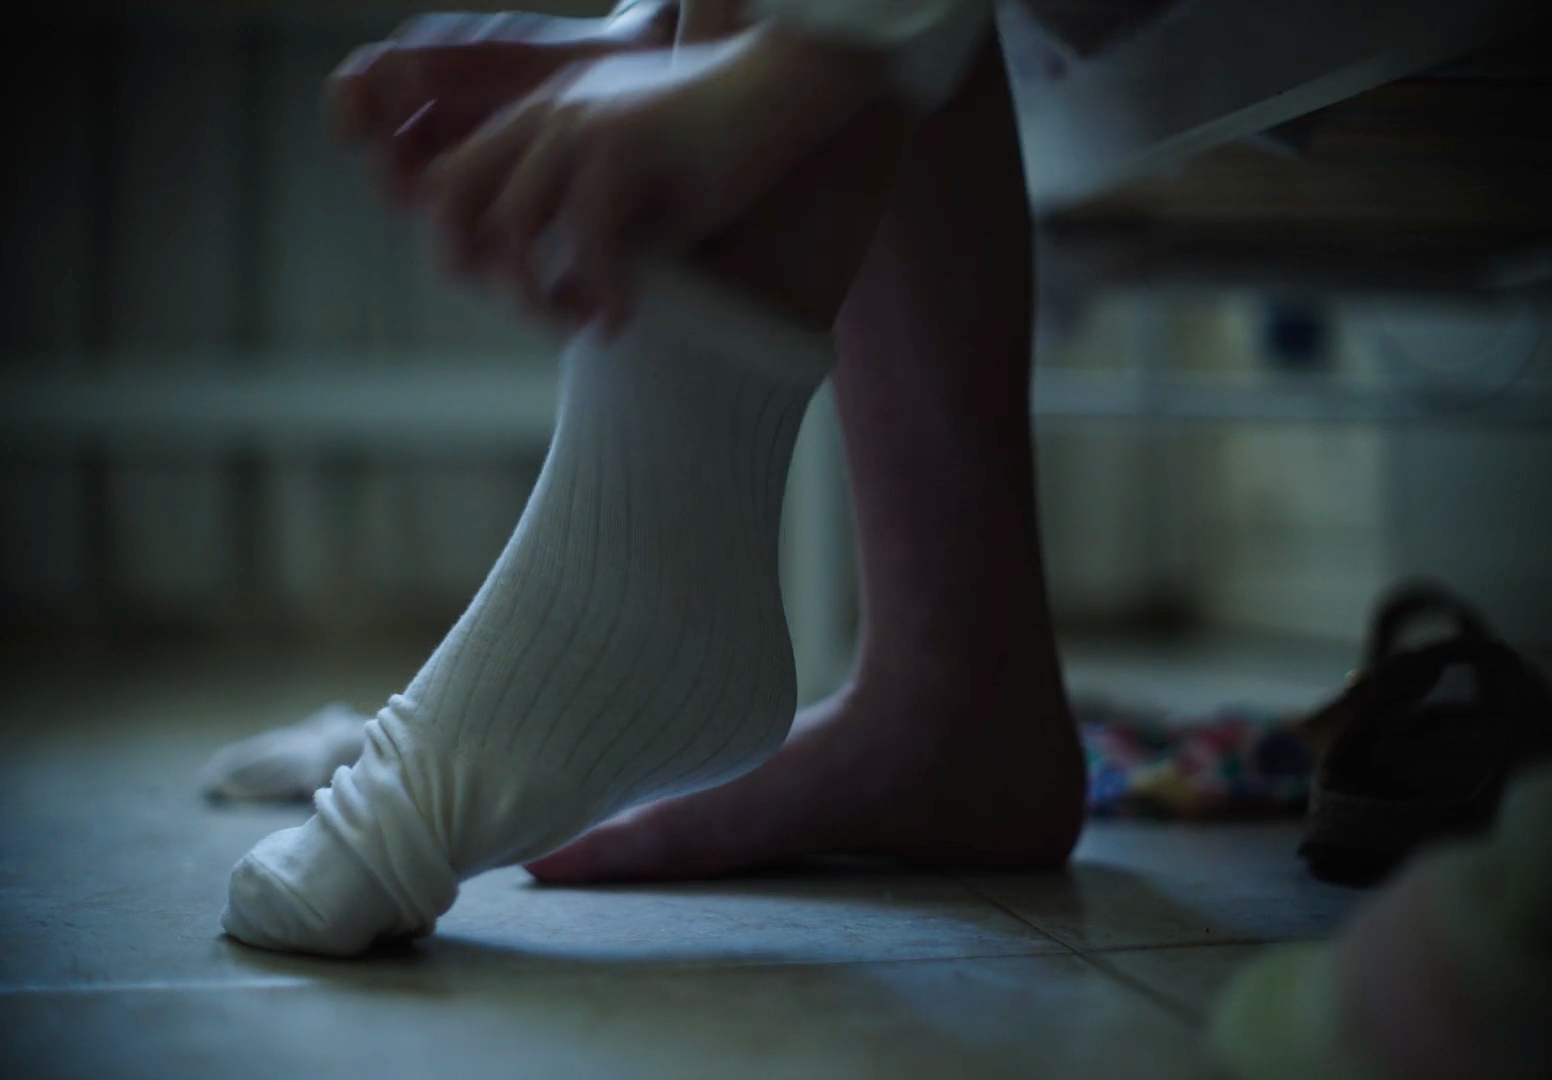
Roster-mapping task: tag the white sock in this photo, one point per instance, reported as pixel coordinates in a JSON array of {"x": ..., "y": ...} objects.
[
  {"x": 629, "y": 643},
  {"x": 286, "y": 764}
]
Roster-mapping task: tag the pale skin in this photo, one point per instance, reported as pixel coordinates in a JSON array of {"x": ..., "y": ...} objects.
[
  {"x": 657, "y": 149},
  {"x": 633, "y": 151},
  {"x": 952, "y": 742}
]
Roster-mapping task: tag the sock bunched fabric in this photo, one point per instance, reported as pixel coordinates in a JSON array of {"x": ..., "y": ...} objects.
[
  {"x": 286, "y": 764},
  {"x": 629, "y": 643}
]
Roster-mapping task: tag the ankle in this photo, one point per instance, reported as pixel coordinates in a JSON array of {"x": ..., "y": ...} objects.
[{"x": 1001, "y": 681}]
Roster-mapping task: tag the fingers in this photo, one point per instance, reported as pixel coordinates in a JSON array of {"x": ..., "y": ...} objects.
[
  {"x": 495, "y": 176},
  {"x": 560, "y": 221},
  {"x": 438, "y": 126},
  {"x": 652, "y": 23},
  {"x": 708, "y": 20},
  {"x": 442, "y": 28},
  {"x": 379, "y": 87},
  {"x": 601, "y": 204},
  {"x": 463, "y": 183},
  {"x": 440, "y": 77},
  {"x": 350, "y": 95},
  {"x": 402, "y": 160},
  {"x": 375, "y": 91},
  {"x": 526, "y": 205}
]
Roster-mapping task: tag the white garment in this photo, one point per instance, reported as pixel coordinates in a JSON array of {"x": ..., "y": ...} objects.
[
  {"x": 930, "y": 42},
  {"x": 628, "y": 645},
  {"x": 286, "y": 763}
]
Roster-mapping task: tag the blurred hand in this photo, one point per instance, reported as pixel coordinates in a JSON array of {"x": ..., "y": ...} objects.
[
  {"x": 656, "y": 149},
  {"x": 411, "y": 98},
  {"x": 414, "y": 98},
  {"x": 710, "y": 20}
]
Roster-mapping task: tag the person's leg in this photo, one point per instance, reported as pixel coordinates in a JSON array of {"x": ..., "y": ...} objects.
[
  {"x": 952, "y": 743},
  {"x": 629, "y": 643}
]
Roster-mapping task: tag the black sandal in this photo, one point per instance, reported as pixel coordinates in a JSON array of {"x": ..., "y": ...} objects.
[{"x": 1423, "y": 742}]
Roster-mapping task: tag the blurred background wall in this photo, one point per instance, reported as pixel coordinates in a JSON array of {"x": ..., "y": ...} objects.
[
  {"x": 1380, "y": 449},
  {"x": 240, "y": 399},
  {"x": 181, "y": 212}
]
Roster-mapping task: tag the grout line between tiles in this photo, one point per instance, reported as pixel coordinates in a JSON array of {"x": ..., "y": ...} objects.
[
  {"x": 157, "y": 986},
  {"x": 1178, "y": 1009},
  {"x": 1216, "y": 943},
  {"x": 477, "y": 983},
  {"x": 1168, "y": 1004}
]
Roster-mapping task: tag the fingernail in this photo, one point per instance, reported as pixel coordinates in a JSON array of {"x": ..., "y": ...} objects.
[{"x": 415, "y": 118}]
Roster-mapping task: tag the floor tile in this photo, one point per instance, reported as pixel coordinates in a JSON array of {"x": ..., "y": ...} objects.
[
  {"x": 817, "y": 915},
  {"x": 1053, "y": 1017},
  {"x": 1145, "y": 884},
  {"x": 111, "y": 867},
  {"x": 113, "y": 870},
  {"x": 1190, "y": 976}
]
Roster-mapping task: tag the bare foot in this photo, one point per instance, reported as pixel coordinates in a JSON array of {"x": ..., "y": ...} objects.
[
  {"x": 944, "y": 779},
  {"x": 954, "y": 745}
]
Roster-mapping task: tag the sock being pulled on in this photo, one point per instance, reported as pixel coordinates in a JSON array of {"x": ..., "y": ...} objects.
[{"x": 629, "y": 643}]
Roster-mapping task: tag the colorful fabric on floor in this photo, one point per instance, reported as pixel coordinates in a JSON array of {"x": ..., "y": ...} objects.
[{"x": 1234, "y": 764}]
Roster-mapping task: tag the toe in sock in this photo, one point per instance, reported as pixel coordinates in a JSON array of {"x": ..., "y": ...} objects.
[
  {"x": 364, "y": 866},
  {"x": 629, "y": 643}
]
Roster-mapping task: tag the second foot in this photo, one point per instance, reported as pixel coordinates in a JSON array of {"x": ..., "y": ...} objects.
[{"x": 934, "y": 780}]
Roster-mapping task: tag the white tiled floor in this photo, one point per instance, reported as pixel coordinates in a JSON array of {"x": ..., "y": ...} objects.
[{"x": 112, "y": 875}]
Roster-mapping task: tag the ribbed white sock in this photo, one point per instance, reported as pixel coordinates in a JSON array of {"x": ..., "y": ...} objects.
[{"x": 628, "y": 645}]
